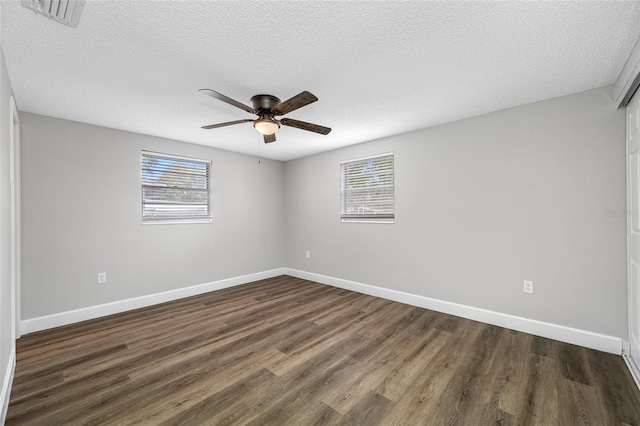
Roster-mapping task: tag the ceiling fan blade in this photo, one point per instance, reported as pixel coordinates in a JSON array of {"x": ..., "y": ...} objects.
[
  {"x": 298, "y": 101},
  {"x": 305, "y": 126},
  {"x": 228, "y": 123},
  {"x": 269, "y": 138},
  {"x": 227, "y": 99}
]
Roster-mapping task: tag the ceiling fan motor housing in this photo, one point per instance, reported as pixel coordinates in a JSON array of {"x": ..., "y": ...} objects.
[{"x": 264, "y": 103}]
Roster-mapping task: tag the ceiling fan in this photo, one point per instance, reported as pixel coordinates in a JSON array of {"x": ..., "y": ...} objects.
[{"x": 267, "y": 107}]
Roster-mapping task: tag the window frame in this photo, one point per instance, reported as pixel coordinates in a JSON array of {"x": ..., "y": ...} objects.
[
  {"x": 372, "y": 218},
  {"x": 178, "y": 219}
]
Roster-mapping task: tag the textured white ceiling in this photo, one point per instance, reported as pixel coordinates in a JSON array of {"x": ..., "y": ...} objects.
[{"x": 378, "y": 68}]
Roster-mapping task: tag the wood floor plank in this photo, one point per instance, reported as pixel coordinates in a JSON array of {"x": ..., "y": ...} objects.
[
  {"x": 542, "y": 346},
  {"x": 319, "y": 414},
  {"x": 606, "y": 369},
  {"x": 572, "y": 363},
  {"x": 418, "y": 402},
  {"x": 508, "y": 371},
  {"x": 311, "y": 378},
  {"x": 56, "y": 404},
  {"x": 202, "y": 390},
  {"x": 394, "y": 385},
  {"x": 424, "y": 322},
  {"x": 368, "y": 410},
  {"x": 310, "y": 389},
  {"x": 207, "y": 408},
  {"x": 580, "y": 404},
  {"x": 373, "y": 371},
  {"x": 286, "y": 351},
  {"x": 539, "y": 396},
  {"x": 351, "y": 302},
  {"x": 456, "y": 403}
]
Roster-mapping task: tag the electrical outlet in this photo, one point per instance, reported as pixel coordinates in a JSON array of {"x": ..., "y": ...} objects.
[
  {"x": 102, "y": 277},
  {"x": 308, "y": 254},
  {"x": 528, "y": 286}
]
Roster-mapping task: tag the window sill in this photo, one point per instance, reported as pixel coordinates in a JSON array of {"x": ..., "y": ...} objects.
[
  {"x": 367, "y": 221},
  {"x": 176, "y": 222}
]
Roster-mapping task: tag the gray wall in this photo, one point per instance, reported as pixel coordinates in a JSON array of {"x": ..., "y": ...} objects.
[
  {"x": 81, "y": 215},
  {"x": 6, "y": 343},
  {"x": 481, "y": 205}
]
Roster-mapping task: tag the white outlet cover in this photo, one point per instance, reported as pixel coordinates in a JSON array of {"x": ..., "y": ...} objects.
[{"x": 528, "y": 286}]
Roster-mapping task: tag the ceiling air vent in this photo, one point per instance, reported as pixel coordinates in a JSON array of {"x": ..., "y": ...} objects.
[{"x": 64, "y": 11}]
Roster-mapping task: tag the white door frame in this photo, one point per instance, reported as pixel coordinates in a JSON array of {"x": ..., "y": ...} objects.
[
  {"x": 16, "y": 249},
  {"x": 631, "y": 353}
]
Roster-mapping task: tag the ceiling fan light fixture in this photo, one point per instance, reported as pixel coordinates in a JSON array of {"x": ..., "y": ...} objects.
[{"x": 266, "y": 126}]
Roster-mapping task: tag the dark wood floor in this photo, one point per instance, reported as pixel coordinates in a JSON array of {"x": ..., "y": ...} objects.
[{"x": 286, "y": 351}]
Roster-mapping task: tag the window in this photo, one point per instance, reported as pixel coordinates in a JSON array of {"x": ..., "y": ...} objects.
[
  {"x": 368, "y": 189},
  {"x": 175, "y": 189}
]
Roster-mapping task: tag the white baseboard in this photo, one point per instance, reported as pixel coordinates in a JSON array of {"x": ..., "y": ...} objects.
[
  {"x": 91, "y": 312},
  {"x": 6, "y": 386},
  {"x": 562, "y": 333}
]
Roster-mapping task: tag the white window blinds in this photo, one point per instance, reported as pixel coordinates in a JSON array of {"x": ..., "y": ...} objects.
[
  {"x": 368, "y": 189},
  {"x": 175, "y": 189}
]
